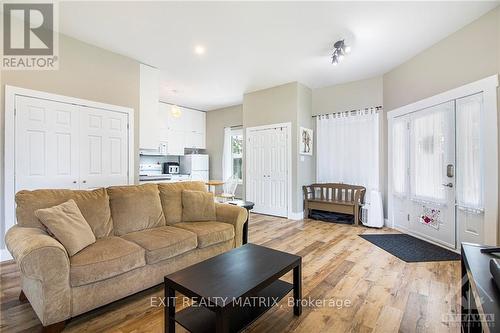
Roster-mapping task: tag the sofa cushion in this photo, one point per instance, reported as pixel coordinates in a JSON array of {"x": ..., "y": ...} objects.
[
  {"x": 171, "y": 198},
  {"x": 135, "y": 207},
  {"x": 106, "y": 258},
  {"x": 209, "y": 232},
  {"x": 163, "y": 242},
  {"x": 67, "y": 224},
  {"x": 197, "y": 206},
  {"x": 94, "y": 206}
]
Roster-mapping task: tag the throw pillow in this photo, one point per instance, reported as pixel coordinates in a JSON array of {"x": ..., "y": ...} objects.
[
  {"x": 67, "y": 224},
  {"x": 197, "y": 206}
]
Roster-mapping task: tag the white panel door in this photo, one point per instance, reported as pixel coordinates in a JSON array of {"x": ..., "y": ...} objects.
[
  {"x": 46, "y": 144},
  {"x": 432, "y": 181},
  {"x": 103, "y": 148},
  {"x": 266, "y": 183}
]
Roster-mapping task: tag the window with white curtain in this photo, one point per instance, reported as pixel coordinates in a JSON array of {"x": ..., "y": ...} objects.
[
  {"x": 399, "y": 151},
  {"x": 237, "y": 153},
  {"x": 469, "y": 159},
  {"x": 428, "y": 132},
  {"x": 232, "y": 154},
  {"x": 348, "y": 148}
]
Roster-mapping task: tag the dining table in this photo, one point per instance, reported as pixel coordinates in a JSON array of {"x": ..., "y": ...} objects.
[{"x": 212, "y": 184}]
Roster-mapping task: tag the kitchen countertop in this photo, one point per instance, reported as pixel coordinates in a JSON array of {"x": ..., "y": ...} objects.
[{"x": 161, "y": 177}]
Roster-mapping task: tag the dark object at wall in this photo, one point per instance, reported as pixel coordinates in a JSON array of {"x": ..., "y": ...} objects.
[{"x": 331, "y": 217}]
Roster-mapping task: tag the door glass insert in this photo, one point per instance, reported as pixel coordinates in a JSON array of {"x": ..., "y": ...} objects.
[{"x": 429, "y": 149}]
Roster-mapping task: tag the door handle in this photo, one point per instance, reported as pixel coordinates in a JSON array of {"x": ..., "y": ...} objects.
[{"x": 448, "y": 185}]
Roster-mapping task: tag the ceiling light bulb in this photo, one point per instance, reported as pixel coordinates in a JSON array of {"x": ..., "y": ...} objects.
[
  {"x": 176, "y": 112},
  {"x": 341, "y": 57},
  {"x": 347, "y": 49},
  {"x": 199, "y": 49}
]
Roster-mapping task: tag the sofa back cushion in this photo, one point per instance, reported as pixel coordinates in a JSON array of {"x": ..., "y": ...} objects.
[
  {"x": 94, "y": 206},
  {"x": 197, "y": 206},
  {"x": 171, "y": 198},
  {"x": 135, "y": 207}
]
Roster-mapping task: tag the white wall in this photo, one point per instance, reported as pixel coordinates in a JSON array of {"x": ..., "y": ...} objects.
[
  {"x": 86, "y": 72},
  {"x": 291, "y": 103},
  {"x": 216, "y": 121},
  {"x": 348, "y": 96}
]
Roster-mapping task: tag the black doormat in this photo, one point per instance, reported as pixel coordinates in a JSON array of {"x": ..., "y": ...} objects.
[
  {"x": 409, "y": 248},
  {"x": 331, "y": 217}
]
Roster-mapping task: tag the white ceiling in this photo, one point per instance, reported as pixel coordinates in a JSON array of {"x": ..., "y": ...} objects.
[{"x": 255, "y": 45}]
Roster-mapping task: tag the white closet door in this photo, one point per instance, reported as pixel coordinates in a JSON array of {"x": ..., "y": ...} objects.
[
  {"x": 104, "y": 148},
  {"x": 277, "y": 174},
  {"x": 46, "y": 144},
  {"x": 266, "y": 183}
]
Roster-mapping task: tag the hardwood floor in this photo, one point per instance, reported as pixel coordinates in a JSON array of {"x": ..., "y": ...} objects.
[{"x": 375, "y": 291}]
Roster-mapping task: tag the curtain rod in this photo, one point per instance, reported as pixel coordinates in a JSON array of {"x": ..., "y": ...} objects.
[{"x": 377, "y": 108}]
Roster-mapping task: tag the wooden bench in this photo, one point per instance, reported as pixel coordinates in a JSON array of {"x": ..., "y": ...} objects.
[{"x": 333, "y": 197}]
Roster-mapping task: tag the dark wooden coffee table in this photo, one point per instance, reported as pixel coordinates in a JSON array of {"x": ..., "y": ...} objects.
[{"x": 232, "y": 289}]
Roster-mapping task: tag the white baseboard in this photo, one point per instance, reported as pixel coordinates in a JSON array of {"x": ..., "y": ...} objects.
[
  {"x": 5, "y": 255},
  {"x": 296, "y": 216}
]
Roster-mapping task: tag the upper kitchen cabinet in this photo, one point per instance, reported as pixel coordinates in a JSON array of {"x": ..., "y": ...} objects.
[
  {"x": 149, "y": 127},
  {"x": 195, "y": 133},
  {"x": 181, "y": 128}
]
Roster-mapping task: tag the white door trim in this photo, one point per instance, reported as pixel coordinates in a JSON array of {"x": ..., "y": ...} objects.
[
  {"x": 9, "y": 153},
  {"x": 288, "y": 128},
  {"x": 488, "y": 86}
]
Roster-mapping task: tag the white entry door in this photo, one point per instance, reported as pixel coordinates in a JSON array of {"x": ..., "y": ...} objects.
[
  {"x": 432, "y": 173},
  {"x": 104, "y": 148},
  {"x": 46, "y": 144},
  {"x": 423, "y": 173},
  {"x": 267, "y": 170}
]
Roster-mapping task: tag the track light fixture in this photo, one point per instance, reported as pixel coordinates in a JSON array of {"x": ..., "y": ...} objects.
[{"x": 340, "y": 49}]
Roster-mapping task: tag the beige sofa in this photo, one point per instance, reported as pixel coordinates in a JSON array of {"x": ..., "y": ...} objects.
[{"x": 140, "y": 238}]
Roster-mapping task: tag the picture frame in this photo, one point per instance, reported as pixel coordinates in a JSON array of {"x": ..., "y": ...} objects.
[{"x": 306, "y": 141}]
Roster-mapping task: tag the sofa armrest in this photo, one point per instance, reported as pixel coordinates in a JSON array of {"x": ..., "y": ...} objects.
[
  {"x": 234, "y": 215},
  {"x": 45, "y": 267}
]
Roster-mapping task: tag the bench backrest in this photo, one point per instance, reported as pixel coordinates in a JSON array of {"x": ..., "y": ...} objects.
[{"x": 335, "y": 192}]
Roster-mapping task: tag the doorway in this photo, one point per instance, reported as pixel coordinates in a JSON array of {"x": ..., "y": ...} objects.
[
  {"x": 268, "y": 168},
  {"x": 441, "y": 152}
]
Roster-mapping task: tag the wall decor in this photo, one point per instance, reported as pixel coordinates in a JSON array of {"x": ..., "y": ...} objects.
[
  {"x": 430, "y": 217},
  {"x": 306, "y": 141}
]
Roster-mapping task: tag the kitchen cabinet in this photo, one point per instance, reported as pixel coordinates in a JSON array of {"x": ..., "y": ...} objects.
[
  {"x": 149, "y": 94},
  {"x": 185, "y": 129}
]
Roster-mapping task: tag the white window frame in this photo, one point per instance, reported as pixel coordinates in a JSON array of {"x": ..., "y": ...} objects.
[{"x": 237, "y": 132}]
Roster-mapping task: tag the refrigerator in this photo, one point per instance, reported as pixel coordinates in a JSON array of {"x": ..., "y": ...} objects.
[{"x": 195, "y": 165}]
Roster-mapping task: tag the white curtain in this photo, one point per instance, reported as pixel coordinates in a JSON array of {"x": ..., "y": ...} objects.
[
  {"x": 399, "y": 151},
  {"x": 469, "y": 152},
  {"x": 227, "y": 161},
  {"x": 428, "y": 146},
  {"x": 348, "y": 148}
]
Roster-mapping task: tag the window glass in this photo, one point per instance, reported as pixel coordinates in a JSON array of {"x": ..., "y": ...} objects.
[{"x": 237, "y": 154}]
